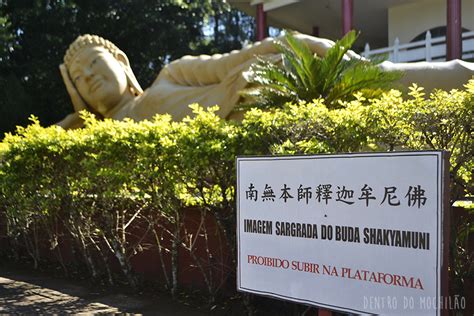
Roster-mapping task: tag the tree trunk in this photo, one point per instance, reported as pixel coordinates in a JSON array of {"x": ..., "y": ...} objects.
[
  {"x": 174, "y": 257},
  {"x": 162, "y": 261},
  {"x": 119, "y": 252}
]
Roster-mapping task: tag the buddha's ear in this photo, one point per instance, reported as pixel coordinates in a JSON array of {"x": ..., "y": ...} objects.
[
  {"x": 121, "y": 57},
  {"x": 132, "y": 80}
]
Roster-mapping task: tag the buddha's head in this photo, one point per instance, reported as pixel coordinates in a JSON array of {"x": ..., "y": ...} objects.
[{"x": 100, "y": 72}]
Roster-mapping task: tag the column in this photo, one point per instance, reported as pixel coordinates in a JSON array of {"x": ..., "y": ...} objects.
[
  {"x": 347, "y": 12},
  {"x": 261, "y": 22},
  {"x": 453, "y": 32}
]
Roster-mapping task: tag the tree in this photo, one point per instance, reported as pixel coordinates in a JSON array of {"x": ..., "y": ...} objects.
[{"x": 228, "y": 28}]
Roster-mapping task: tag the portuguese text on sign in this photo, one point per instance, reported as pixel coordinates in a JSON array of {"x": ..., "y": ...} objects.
[{"x": 336, "y": 230}]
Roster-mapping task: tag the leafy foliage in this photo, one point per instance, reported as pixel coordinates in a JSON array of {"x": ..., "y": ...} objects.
[
  {"x": 110, "y": 180},
  {"x": 304, "y": 76},
  {"x": 444, "y": 120},
  {"x": 230, "y": 28}
]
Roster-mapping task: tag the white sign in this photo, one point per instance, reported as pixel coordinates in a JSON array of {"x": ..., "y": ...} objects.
[{"x": 360, "y": 233}]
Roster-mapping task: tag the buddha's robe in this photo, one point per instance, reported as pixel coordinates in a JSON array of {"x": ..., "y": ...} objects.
[{"x": 218, "y": 79}]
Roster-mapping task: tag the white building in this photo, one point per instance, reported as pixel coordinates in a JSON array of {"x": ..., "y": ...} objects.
[{"x": 406, "y": 30}]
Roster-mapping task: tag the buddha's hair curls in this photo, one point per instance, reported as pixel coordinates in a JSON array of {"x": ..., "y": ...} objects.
[{"x": 88, "y": 40}]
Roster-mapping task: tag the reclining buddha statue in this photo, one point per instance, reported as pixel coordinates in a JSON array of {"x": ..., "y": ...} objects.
[{"x": 98, "y": 78}]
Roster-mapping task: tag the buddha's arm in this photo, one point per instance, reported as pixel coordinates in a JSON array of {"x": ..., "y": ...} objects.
[
  {"x": 206, "y": 70},
  {"x": 209, "y": 80},
  {"x": 76, "y": 99}
]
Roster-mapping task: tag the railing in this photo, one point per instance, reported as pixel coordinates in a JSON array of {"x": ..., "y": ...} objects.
[{"x": 431, "y": 49}]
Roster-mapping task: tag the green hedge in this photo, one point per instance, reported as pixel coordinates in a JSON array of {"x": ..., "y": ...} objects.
[{"x": 100, "y": 182}]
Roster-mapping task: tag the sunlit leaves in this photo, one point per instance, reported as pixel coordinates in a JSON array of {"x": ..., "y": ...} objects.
[
  {"x": 304, "y": 76},
  {"x": 156, "y": 167}
]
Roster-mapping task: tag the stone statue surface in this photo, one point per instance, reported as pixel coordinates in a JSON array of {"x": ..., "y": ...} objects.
[{"x": 98, "y": 77}]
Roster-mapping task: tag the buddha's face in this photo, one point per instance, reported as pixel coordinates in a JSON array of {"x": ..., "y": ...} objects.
[{"x": 99, "y": 77}]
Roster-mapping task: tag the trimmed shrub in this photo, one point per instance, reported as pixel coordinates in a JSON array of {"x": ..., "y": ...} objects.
[{"x": 113, "y": 188}]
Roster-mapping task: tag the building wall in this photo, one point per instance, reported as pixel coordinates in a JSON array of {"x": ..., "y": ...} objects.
[{"x": 409, "y": 20}]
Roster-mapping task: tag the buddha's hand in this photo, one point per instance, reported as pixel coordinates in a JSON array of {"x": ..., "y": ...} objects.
[{"x": 76, "y": 99}]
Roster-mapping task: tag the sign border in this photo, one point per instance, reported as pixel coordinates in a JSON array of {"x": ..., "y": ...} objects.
[{"x": 442, "y": 218}]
